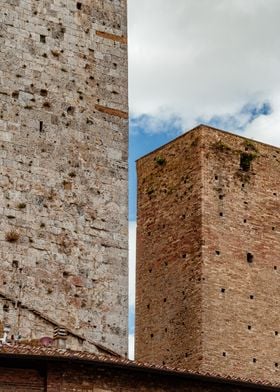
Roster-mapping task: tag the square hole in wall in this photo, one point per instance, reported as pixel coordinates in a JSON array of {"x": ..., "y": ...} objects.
[
  {"x": 42, "y": 38},
  {"x": 250, "y": 257}
]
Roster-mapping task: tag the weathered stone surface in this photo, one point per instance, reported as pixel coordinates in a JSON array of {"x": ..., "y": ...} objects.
[
  {"x": 208, "y": 283},
  {"x": 63, "y": 179}
]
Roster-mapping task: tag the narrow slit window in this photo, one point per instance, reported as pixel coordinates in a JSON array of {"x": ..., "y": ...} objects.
[{"x": 41, "y": 127}]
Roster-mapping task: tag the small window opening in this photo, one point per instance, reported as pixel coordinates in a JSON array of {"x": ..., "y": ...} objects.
[
  {"x": 42, "y": 38},
  {"x": 223, "y": 290},
  {"x": 224, "y": 354},
  {"x": 221, "y": 197},
  {"x": 273, "y": 228},
  {"x": 251, "y": 297},
  {"x": 276, "y": 333},
  {"x": 216, "y": 177},
  {"x": 5, "y": 308},
  {"x": 250, "y": 257},
  {"x": 274, "y": 194},
  {"x": 152, "y": 335},
  {"x": 275, "y": 268},
  {"x": 15, "y": 263},
  {"x": 276, "y": 364},
  {"x": 221, "y": 214},
  {"x": 245, "y": 220},
  {"x": 148, "y": 306},
  {"x": 184, "y": 255},
  {"x": 249, "y": 327},
  {"x": 165, "y": 329},
  {"x": 41, "y": 128},
  {"x": 254, "y": 360},
  {"x": 217, "y": 252},
  {"x": 79, "y": 5},
  {"x": 164, "y": 300}
]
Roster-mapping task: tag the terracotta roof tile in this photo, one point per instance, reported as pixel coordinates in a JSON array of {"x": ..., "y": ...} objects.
[{"x": 51, "y": 353}]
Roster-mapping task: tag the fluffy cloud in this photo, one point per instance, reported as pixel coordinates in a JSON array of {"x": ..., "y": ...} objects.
[
  {"x": 132, "y": 255},
  {"x": 196, "y": 59}
]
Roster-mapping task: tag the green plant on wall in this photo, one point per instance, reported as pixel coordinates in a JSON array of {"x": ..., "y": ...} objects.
[
  {"x": 160, "y": 160},
  {"x": 246, "y": 159},
  {"x": 221, "y": 146},
  {"x": 249, "y": 145}
]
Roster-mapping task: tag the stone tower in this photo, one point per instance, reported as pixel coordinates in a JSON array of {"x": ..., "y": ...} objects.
[
  {"x": 63, "y": 180},
  {"x": 208, "y": 269}
]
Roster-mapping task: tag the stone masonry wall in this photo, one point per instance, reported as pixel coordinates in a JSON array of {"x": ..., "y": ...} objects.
[
  {"x": 63, "y": 162},
  {"x": 168, "y": 294}
]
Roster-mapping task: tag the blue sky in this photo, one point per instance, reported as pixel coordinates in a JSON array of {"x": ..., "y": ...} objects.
[{"x": 200, "y": 61}]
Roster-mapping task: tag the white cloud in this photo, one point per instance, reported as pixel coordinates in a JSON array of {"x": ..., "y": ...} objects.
[
  {"x": 267, "y": 128},
  {"x": 132, "y": 257},
  {"x": 131, "y": 339},
  {"x": 199, "y": 58}
]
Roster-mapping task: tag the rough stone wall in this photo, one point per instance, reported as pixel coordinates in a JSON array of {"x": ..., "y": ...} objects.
[
  {"x": 168, "y": 294},
  {"x": 63, "y": 160},
  {"x": 235, "y": 291},
  {"x": 241, "y": 232},
  {"x": 79, "y": 378}
]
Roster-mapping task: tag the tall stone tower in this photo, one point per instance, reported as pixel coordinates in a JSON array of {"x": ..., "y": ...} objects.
[
  {"x": 63, "y": 180},
  {"x": 208, "y": 283}
]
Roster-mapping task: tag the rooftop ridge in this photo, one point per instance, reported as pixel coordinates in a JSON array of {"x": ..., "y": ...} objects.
[{"x": 200, "y": 126}]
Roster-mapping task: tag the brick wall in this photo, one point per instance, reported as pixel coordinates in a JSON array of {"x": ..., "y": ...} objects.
[
  {"x": 229, "y": 240},
  {"x": 168, "y": 295},
  {"x": 74, "y": 377},
  {"x": 21, "y": 380},
  {"x": 241, "y": 232},
  {"x": 63, "y": 157}
]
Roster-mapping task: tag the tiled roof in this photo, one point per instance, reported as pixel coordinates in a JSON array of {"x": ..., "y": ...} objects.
[{"x": 21, "y": 351}]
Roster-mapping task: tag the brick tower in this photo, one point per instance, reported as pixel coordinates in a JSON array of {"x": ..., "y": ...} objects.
[
  {"x": 63, "y": 152},
  {"x": 208, "y": 283}
]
